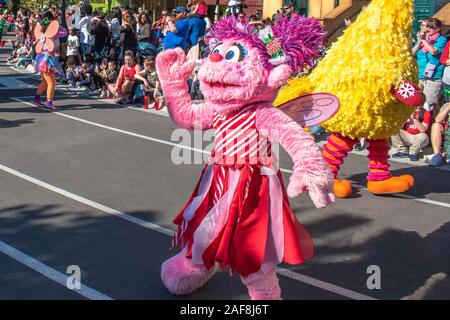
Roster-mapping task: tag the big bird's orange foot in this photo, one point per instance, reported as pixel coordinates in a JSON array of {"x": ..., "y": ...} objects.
[
  {"x": 391, "y": 185},
  {"x": 342, "y": 188}
]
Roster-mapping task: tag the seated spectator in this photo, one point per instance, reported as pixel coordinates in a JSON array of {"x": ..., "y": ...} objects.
[
  {"x": 110, "y": 79},
  {"x": 99, "y": 78},
  {"x": 24, "y": 57},
  {"x": 177, "y": 30},
  {"x": 149, "y": 78},
  {"x": 125, "y": 80},
  {"x": 413, "y": 135},
  {"x": 72, "y": 72},
  {"x": 438, "y": 130},
  {"x": 86, "y": 74}
]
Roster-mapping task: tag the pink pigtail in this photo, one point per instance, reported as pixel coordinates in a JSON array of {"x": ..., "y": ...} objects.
[{"x": 301, "y": 38}]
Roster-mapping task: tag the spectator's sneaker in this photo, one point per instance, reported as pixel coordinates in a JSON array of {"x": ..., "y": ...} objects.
[
  {"x": 436, "y": 161},
  {"x": 413, "y": 157},
  {"x": 400, "y": 155},
  {"x": 94, "y": 93},
  {"x": 103, "y": 95}
]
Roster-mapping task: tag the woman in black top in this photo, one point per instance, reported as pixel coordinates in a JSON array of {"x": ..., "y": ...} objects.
[
  {"x": 128, "y": 40},
  {"x": 101, "y": 31}
]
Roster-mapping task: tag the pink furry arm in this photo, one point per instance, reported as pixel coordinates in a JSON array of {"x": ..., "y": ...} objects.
[
  {"x": 173, "y": 72},
  {"x": 311, "y": 172}
]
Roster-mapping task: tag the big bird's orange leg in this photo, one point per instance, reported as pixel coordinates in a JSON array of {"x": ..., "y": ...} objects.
[
  {"x": 334, "y": 152},
  {"x": 380, "y": 179}
]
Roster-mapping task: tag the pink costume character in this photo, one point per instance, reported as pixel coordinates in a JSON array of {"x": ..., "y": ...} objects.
[
  {"x": 46, "y": 63},
  {"x": 239, "y": 215}
]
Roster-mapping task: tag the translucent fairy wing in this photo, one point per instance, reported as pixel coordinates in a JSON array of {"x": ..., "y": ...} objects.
[
  {"x": 312, "y": 109},
  {"x": 39, "y": 47},
  {"x": 49, "y": 45},
  {"x": 38, "y": 32},
  {"x": 52, "y": 29}
]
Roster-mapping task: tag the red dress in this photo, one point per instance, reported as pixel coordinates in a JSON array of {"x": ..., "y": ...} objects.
[{"x": 239, "y": 214}]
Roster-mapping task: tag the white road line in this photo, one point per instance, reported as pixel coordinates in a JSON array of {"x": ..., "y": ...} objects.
[
  {"x": 432, "y": 202},
  {"x": 323, "y": 285},
  {"x": 112, "y": 128},
  {"x": 49, "y": 272},
  {"x": 308, "y": 280},
  {"x": 88, "y": 202}
]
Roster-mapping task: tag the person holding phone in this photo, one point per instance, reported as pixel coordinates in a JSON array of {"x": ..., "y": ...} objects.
[{"x": 428, "y": 50}]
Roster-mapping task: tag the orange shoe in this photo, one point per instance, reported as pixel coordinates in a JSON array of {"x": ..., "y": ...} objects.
[
  {"x": 342, "y": 188},
  {"x": 409, "y": 179},
  {"x": 391, "y": 185}
]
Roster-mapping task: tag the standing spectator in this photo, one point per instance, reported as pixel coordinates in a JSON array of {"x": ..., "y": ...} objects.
[
  {"x": 439, "y": 128},
  {"x": 73, "y": 46},
  {"x": 161, "y": 27},
  {"x": 144, "y": 28},
  {"x": 100, "y": 30},
  {"x": 288, "y": 10},
  {"x": 445, "y": 60},
  {"x": 128, "y": 40},
  {"x": 86, "y": 39},
  {"x": 197, "y": 29},
  {"x": 428, "y": 52},
  {"x": 413, "y": 135},
  {"x": 178, "y": 30},
  {"x": 115, "y": 25}
]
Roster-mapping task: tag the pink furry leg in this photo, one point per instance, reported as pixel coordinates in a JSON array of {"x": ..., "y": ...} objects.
[
  {"x": 180, "y": 276},
  {"x": 263, "y": 286}
]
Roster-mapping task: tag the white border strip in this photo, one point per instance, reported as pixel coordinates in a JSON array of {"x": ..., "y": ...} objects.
[{"x": 50, "y": 273}]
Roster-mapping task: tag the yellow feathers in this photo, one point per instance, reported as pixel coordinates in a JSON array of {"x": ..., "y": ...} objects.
[{"x": 361, "y": 67}]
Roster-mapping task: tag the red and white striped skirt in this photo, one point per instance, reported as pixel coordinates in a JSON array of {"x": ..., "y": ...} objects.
[{"x": 241, "y": 218}]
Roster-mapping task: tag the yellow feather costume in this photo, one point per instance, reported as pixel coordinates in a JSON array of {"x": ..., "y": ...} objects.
[{"x": 361, "y": 67}]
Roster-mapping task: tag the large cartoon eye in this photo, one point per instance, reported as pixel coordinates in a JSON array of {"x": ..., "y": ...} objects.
[
  {"x": 235, "y": 54},
  {"x": 217, "y": 49}
]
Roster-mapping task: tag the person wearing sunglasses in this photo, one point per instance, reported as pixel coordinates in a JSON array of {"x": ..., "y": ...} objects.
[{"x": 428, "y": 51}]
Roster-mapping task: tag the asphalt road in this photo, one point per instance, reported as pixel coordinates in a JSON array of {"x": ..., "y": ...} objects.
[{"x": 93, "y": 185}]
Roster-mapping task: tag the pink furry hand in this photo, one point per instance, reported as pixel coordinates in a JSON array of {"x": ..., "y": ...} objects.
[
  {"x": 173, "y": 67},
  {"x": 320, "y": 191}
]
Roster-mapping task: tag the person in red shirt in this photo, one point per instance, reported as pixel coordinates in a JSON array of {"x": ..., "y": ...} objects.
[{"x": 413, "y": 135}]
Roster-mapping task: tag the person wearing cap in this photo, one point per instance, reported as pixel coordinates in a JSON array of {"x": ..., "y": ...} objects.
[{"x": 178, "y": 30}]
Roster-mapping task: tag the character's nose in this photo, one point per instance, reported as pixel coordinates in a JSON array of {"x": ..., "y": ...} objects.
[{"x": 216, "y": 57}]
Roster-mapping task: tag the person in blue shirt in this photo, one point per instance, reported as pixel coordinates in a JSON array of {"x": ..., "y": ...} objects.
[
  {"x": 197, "y": 29},
  {"x": 428, "y": 50},
  {"x": 178, "y": 30}
]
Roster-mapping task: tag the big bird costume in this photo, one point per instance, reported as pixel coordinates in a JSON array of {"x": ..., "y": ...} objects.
[{"x": 361, "y": 68}]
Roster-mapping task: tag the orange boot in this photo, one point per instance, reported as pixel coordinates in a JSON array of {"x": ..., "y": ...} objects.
[
  {"x": 380, "y": 179},
  {"x": 334, "y": 152}
]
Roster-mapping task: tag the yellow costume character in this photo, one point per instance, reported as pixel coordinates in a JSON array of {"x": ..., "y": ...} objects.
[{"x": 372, "y": 56}]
